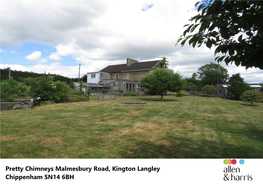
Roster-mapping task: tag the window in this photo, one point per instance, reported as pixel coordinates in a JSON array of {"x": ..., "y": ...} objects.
[
  {"x": 130, "y": 87},
  {"x": 127, "y": 75},
  {"x": 93, "y": 75},
  {"x": 116, "y": 76}
]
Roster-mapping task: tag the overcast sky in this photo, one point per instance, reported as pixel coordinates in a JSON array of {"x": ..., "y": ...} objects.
[{"x": 56, "y": 35}]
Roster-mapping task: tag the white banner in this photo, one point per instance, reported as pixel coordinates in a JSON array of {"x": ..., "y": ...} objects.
[{"x": 131, "y": 172}]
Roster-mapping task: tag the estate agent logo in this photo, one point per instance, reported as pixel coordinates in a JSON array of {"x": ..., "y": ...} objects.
[{"x": 232, "y": 173}]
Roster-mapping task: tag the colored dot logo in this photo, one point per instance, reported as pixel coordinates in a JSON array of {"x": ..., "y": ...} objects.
[{"x": 233, "y": 161}]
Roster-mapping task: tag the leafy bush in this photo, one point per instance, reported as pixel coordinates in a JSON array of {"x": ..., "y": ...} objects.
[
  {"x": 179, "y": 94},
  {"x": 10, "y": 87},
  {"x": 104, "y": 91},
  {"x": 46, "y": 88},
  {"x": 89, "y": 92},
  {"x": 59, "y": 90},
  {"x": 190, "y": 86},
  {"x": 160, "y": 80},
  {"x": 237, "y": 88},
  {"x": 252, "y": 96},
  {"x": 209, "y": 89},
  {"x": 192, "y": 92},
  {"x": 119, "y": 91},
  {"x": 129, "y": 94}
]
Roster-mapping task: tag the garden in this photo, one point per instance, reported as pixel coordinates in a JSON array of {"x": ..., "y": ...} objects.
[{"x": 177, "y": 127}]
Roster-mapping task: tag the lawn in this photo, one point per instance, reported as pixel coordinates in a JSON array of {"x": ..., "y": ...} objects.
[{"x": 178, "y": 127}]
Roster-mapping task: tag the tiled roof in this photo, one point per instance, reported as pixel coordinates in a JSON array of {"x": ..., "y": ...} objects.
[
  {"x": 142, "y": 66},
  {"x": 134, "y": 67},
  {"x": 114, "y": 68}
]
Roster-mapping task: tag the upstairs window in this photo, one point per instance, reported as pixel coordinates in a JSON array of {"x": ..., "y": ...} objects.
[
  {"x": 116, "y": 76},
  {"x": 127, "y": 75},
  {"x": 93, "y": 75}
]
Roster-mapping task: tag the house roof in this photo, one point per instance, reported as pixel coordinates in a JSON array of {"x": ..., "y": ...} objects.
[
  {"x": 147, "y": 65},
  {"x": 142, "y": 66},
  {"x": 91, "y": 84},
  {"x": 255, "y": 86},
  {"x": 114, "y": 68}
]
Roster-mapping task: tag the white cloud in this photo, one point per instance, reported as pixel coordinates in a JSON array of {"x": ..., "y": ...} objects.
[
  {"x": 100, "y": 33},
  {"x": 1, "y": 50},
  {"x": 36, "y": 57},
  {"x": 55, "y": 57},
  {"x": 13, "y": 52},
  {"x": 53, "y": 68}
]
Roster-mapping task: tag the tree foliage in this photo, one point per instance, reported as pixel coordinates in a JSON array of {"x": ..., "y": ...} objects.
[
  {"x": 164, "y": 63},
  {"x": 19, "y": 76},
  {"x": 236, "y": 77},
  {"x": 252, "y": 96},
  {"x": 212, "y": 74},
  {"x": 209, "y": 89},
  {"x": 159, "y": 81},
  {"x": 10, "y": 87},
  {"x": 237, "y": 86},
  {"x": 46, "y": 88},
  {"x": 233, "y": 27},
  {"x": 193, "y": 83}
]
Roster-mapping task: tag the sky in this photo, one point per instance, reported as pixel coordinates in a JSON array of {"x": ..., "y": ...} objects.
[{"x": 55, "y": 36}]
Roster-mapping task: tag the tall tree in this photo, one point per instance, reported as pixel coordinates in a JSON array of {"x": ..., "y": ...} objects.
[
  {"x": 164, "y": 63},
  {"x": 193, "y": 83},
  {"x": 159, "y": 81},
  {"x": 212, "y": 74},
  {"x": 237, "y": 86},
  {"x": 233, "y": 27},
  {"x": 236, "y": 77}
]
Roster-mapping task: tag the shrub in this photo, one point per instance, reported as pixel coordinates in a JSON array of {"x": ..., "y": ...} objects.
[
  {"x": 159, "y": 81},
  {"x": 119, "y": 91},
  {"x": 237, "y": 88},
  {"x": 104, "y": 91},
  {"x": 10, "y": 87},
  {"x": 89, "y": 92},
  {"x": 46, "y": 88},
  {"x": 179, "y": 94},
  {"x": 252, "y": 96},
  {"x": 129, "y": 94},
  {"x": 192, "y": 92},
  {"x": 209, "y": 89}
]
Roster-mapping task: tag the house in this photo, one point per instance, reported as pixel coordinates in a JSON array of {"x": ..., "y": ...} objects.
[
  {"x": 95, "y": 87},
  {"x": 123, "y": 77},
  {"x": 255, "y": 87},
  {"x": 223, "y": 92}
]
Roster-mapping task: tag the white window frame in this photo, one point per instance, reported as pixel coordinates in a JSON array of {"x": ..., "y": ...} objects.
[
  {"x": 116, "y": 76},
  {"x": 93, "y": 76},
  {"x": 127, "y": 75}
]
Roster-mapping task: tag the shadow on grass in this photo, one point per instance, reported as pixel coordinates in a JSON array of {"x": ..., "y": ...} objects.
[
  {"x": 250, "y": 105},
  {"x": 185, "y": 148},
  {"x": 155, "y": 99}
]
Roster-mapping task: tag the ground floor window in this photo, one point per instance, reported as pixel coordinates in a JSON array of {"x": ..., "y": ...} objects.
[{"x": 130, "y": 87}]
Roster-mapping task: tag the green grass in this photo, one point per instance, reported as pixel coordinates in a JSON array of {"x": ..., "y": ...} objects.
[{"x": 178, "y": 127}]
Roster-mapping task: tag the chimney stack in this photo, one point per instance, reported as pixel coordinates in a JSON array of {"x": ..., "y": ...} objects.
[{"x": 130, "y": 61}]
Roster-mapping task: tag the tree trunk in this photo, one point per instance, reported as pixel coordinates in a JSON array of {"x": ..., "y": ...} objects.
[{"x": 161, "y": 97}]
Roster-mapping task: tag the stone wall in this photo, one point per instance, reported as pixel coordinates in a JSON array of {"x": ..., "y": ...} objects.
[
  {"x": 135, "y": 75},
  {"x": 15, "y": 105},
  {"x": 102, "y": 97}
]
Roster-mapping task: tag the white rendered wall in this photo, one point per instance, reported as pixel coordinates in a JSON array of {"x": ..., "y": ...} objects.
[{"x": 93, "y": 80}]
